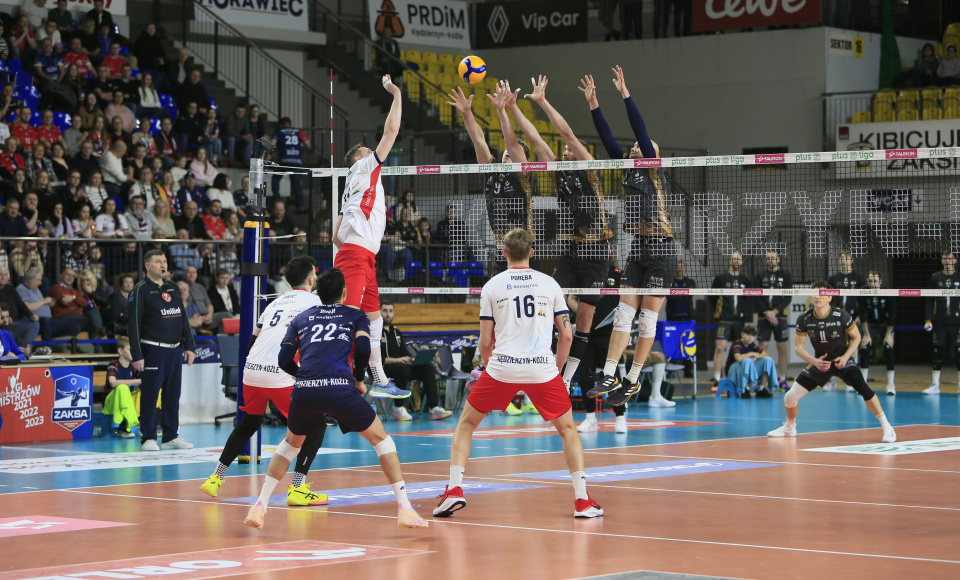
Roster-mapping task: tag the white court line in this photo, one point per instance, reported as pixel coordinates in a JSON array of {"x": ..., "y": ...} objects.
[
  {"x": 601, "y": 534},
  {"x": 554, "y": 482},
  {"x": 598, "y": 452}
]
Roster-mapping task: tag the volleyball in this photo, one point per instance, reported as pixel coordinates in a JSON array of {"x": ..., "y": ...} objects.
[{"x": 472, "y": 69}]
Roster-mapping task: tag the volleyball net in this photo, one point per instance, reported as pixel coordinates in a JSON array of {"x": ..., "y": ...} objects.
[{"x": 892, "y": 212}]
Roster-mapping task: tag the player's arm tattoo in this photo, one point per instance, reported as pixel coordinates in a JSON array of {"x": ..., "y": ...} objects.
[{"x": 565, "y": 320}]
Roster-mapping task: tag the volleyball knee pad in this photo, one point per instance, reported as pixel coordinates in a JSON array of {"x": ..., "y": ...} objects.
[
  {"x": 385, "y": 446},
  {"x": 647, "y": 323},
  {"x": 793, "y": 396},
  {"x": 287, "y": 450},
  {"x": 623, "y": 317}
]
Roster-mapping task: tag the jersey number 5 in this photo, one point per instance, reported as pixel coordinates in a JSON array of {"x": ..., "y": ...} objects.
[
  {"x": 276, "y": 318},
  {"x": 529, "y": 308}
]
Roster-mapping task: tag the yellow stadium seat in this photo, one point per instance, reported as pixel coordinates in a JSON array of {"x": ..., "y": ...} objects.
[
  {"x": 542, "y": 127},
  {"x": 526, "y": 105},
  {"x": 412, "y": 55},
  {"x": 951, "y": 109},
  {"x": 931, "y": 95},
  {"x": 883, "y": 116},
  {"x": 862, "y": 117},
  {"x": 951, "y": 40},
  {"x": 444, "y": 58},
  {"x": 427, "y": 56},
  {"x": 412, "y": 83},
  {"x": 938, "y": 50},
  {"x": 885, "y": 95},
  {"x": 496, "y": 141},
  {"x": 953, "y": 28},
  {"x": 908, "y": 114},
  {"x": 951, "y": 93},
  {"x": 932, "y": 112},
  {"x": 458, "y": 58},
  {"x": 908, "y": 96}
]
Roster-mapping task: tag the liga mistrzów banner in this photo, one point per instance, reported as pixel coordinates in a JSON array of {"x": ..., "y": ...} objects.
[
  {"x": 443, "y": 23},
  {"x": 281, "y": 14}
]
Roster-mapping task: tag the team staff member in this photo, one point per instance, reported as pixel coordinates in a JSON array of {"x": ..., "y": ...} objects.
[
  {"x": 729, "y": 311},
  {"x": 773, "y": 312},
  {"x": 879, "y": 315},
  {"x": 159, "y": 332},
  {"x": 943, "y": 318}
]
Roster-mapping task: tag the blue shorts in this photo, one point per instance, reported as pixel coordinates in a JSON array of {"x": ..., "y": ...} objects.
[{"x": 345, "y": 404}]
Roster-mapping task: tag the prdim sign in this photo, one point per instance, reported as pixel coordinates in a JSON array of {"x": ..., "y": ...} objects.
[
  {"x": 429, "y": 22},
  {"x": 723, "y": 14}
]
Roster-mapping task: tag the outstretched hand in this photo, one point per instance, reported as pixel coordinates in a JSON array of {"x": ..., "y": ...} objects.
[
  {"x": 589, "y": 90},
  {"x": 539, "y": 94},
  {"x": 619, "y": 82},
  {"x": 504, "y": 97},
  {"x": 459, "y": 101},
  {"x": 389, "y": 86}
]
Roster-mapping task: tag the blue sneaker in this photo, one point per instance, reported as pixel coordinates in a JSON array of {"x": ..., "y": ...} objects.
[{"x": 388, "y": 391}]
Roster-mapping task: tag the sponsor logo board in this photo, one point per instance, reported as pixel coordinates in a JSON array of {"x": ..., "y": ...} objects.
[
  {"x": 898, "y": 448},
  {"x": 648, "y": 470},
  {"x": 384, "y": 493},
  {"x": 511, "y": 432}
]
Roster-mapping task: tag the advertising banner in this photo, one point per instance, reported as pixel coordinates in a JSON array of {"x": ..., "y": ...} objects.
[
  {"x": 438, "y": 23},
  {"x": 711, "y": 15},
  {"x": 281, "y": 14},
  {"x": 79, "y": 8},
  {"x": 534, "y": 22},
  {"x": 45, "y": 404},
  {"x": 900, "y": 141}
]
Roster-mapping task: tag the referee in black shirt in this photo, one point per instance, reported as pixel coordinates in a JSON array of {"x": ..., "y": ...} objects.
[{"x": 159, "y": 333}]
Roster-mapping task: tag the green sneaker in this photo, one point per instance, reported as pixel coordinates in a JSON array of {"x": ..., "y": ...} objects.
[{"x": 529, "y": 408}]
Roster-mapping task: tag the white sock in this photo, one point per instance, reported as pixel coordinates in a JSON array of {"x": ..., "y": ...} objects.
[
  {"x": 936, "y": 378},
  {"x": 890, "y": 377},
  {"x": 376, "y": 363},
  {"x": 634, "y": 373},
  {"x": 623, "y": 369},
  {"x": 269, "y": 484},
  {"x": 400, "y": 490},
  {"x": 456, "y": 476},
  {"x": 716, "y": 376},
  {"x": 298, "y": 478},
  {"x": 882, "y": 417},
  {"x": 579, "y": 479},
  {"x": 610, "y": 367},
  {"x": 570, "y": 369},
  {"x": 864, "y": 372},
  {"x": 656, "y": 380}
]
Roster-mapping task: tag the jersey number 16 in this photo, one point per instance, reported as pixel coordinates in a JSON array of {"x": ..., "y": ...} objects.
[{"x": 529, "y": 307}]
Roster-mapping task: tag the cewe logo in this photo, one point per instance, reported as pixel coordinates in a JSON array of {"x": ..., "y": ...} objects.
[
  {"x": 422, "y": 169},
  {"x": 901, "y": 154},
  {"x": 772, "y": 158},
  {"x": 647, "y": 162},
  {"x": 829, "y": 292},
  {"x": 908, "y": 293},
  {"x": 722, "y": 14},
  {"x": 533, "y": 166},
  {"x": 752, "y": 292},
  {"x": 679, "y": 291}
]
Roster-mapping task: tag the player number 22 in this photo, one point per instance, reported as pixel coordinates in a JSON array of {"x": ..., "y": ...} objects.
[
  {"x": 330, "y": 328},
  {"x": 529, "y": 308}
]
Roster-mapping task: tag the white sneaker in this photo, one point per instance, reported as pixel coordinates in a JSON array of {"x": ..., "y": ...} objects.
[
  {"x": 831, "y": 385},
  {"x": 150, "y": 445},
  {"x": 932, "y": 390},
  {"x": 661, "y": 402},
  {"x": 785, "y": 430},
  {"x": 891, "y": 389},
  {"x": 401, "y": 414},
  {"x": 437, "y": 413},
  {"x": 589, "y": 425},
  {"x": 850, "y": 389},
  {"x": 178, "y": 443},
  {"x": 621, "y": 425},
  {"x": 889, "y": 435}
]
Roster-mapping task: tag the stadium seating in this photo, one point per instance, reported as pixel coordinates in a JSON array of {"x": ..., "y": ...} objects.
[
  {"x": 862, "y": 117},
  {"x": 411, "y": 269},
  {"x": 61, "y": 120}
]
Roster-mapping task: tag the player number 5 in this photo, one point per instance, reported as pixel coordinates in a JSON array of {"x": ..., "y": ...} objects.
[{"x": 276, "y": 318}]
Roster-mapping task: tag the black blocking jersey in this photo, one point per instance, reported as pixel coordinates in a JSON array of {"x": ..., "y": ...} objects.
[
  {"x": 582, "y": 215},
  {"x": 851, "y": 281},
  {"x": 827, "y": 335},
  {"x": 945, "y": 308},
  {"x": 730, "y": 308},
  {"x": 645, "y": 203},
  {"x": 774, "y": 279},
  {"x": 508, "y": 200},
  {"x": 879, "y": 310}
]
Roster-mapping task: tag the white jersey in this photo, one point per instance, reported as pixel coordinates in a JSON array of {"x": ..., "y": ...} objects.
[
  {"x": 522, "y": 303},
  {"x": 362, "y": 207},
  {"x": 261, "y": 368}
]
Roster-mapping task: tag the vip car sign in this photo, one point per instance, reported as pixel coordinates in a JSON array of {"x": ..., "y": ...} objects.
[
  {"x": 900, "y": 139},
  {"x": 534, "y": 22},
  {"x": 72, "y": 403},
  {"x": 723, "y": 14},
  {"x": 282, "y": 14},
  {"x": 444, "y": 23}
]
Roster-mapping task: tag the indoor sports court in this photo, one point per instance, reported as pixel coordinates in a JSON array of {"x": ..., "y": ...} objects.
[{"x": 696, "y": 491}]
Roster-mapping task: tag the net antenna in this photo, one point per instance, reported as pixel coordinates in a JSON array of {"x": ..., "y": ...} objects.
[{"x": 258, "y": 180}]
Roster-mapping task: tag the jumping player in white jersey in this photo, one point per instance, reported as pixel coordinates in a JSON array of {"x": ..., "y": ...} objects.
[
  {"x": 521, "y": 306},
  {"x": 265, "y": 381},
  {"x": 357, "y": 235}
]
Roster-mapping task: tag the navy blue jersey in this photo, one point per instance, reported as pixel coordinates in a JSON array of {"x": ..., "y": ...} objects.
[
  {"x": 325, "y": 335},
  {"x": 290, "y": 142}
]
